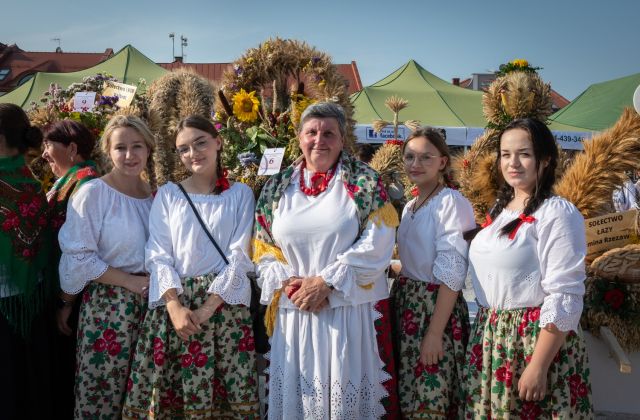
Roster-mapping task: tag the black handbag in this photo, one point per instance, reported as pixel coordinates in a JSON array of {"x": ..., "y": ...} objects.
[{"x": 257, "y": 310}]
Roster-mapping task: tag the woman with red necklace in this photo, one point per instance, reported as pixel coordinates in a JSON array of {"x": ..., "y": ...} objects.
[
  {"x": 196, "y": 354},
  {"x": 324, "y": 236}
]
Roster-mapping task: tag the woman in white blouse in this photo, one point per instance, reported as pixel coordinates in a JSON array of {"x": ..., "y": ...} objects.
[
  {"x": 525, "y": 356},
  {"x": 432, "y": 319},
  {"x": 102, "y": 243},
  {"x": 324, "y": 237},
  {"x": 196, "y": 354}
]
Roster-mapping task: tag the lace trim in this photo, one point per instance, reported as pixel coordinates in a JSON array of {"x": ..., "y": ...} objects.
[
  {"x": 347, "y": 401},
  {"x": 563, "y": 310},
  {"x": 232, "y": 284},
  {"x": 342, "y": 277},
  {"x": 271, "y": 275},
  {"x": 163, "y": 278},
  {"x": 450, "y": 268},
  {"x": 77, "y": 270}
]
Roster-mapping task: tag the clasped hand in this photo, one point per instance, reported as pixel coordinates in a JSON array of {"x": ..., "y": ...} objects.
[
  {"x": 308, "y": 294},
  {"x": 188, "y": 322}
]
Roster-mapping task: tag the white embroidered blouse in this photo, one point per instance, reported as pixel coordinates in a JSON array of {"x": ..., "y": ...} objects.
[
  {"x": 430, "y": 242},
  {"x": 317, "y": 236},
  {"x": 542, "y": 265},
  {"x": 104, "y": 228},
  {"x": 178, "y": 247}
]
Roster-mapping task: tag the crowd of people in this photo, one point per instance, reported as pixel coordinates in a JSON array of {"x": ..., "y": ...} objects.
[{"x": 117, "y": 301}]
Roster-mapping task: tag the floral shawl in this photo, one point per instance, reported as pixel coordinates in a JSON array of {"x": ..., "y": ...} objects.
[
  {"x": 363, "y": 185},
  {"x": 25, "y": 243},
  {"x": 65, "y": 187}
]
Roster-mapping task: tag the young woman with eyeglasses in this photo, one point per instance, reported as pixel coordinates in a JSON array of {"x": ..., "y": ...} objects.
[
  {"x": 432, "y": 325},
  {"x": 196, "y": 355}
]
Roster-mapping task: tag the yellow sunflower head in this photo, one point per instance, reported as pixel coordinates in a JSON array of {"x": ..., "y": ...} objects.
[
  {"x": 519, "y": 62},
  {"x": 245, "y": 106}
]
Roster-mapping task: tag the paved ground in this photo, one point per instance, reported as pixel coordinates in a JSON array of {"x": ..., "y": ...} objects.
[{"x": 616, "y": 416}]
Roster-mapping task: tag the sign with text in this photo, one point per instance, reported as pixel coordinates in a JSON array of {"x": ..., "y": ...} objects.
[
  {"x": 271, "y": 161},
  {"x": 84, "y": 101},
  {"x": 125, "y": 93},
  {"x": 571, "y": 140},
  {"x": 610, "y": 231}
]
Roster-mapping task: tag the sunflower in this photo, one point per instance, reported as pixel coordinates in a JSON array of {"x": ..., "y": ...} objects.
[
  {"x": 519, "y": 62},
  {"x": 245, "y": 105}
]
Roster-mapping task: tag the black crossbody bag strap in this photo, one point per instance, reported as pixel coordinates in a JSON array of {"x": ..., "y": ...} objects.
[{"x": 213, "y": 241}]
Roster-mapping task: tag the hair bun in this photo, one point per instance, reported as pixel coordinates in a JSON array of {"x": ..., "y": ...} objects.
[{"x": 33, "y": 136}]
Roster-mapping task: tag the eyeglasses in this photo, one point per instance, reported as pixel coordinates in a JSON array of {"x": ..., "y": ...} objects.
[
  {"x": 425, "y": 159},
  {"x": 199, "y": 145}
]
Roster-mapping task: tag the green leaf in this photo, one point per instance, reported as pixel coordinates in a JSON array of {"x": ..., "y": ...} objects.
[{"x": 252, "y": 132}]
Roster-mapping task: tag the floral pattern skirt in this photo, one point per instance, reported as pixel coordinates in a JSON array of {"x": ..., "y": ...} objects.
[
  {"x": 110, "y": 317},
  {"x": 432, "y": 391},
  {"x": 213, "y": 375},
  {"x": 502, "y": 343}
]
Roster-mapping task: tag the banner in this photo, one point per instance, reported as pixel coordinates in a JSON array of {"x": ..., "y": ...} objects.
[
  {"x": 613, "y": 230},
  {"x": 125, "y": 93}
]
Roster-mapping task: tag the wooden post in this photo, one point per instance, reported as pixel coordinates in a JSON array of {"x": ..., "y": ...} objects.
[{"x": 616, "y": 351}]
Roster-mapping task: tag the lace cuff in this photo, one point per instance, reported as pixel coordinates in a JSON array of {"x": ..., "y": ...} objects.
[
  {"x": 342, "y": 277},
  {"x": 78, "y": 269},
  {"x": 450, "y": 268},
  {"x": 271, "y": 274},
  {"x": 232, "y": 284},
  {"x": 163, "y": 278},
  {"x": 563, "y": 310}
]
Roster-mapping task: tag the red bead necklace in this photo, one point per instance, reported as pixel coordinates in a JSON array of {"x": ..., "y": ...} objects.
[{"x": 319, "y": 180}]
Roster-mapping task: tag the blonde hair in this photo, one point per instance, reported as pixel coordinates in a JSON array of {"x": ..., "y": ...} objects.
[{"x": 126, "y": 121}]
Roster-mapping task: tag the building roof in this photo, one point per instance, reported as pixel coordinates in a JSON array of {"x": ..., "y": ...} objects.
[
  {"x": 558, "y": 100},
  {"x": 25, "y": 63},
  {"x": 214, "y": 71}
]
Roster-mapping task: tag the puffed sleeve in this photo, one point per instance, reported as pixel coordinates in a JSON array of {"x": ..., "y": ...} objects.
[
  {"x": 232, "y": 284},
  {"x": 363, "y": 263},
  {"x": 454, "y": 217},
  {"x": 562, "y": 248},
  {"x": 271, "y": 273},
  {"x": 78, "y": 238},
  {"x": 159, "y": 250}
]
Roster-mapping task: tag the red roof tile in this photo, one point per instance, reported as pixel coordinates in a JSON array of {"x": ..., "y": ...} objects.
[
  {"x": 23, "y": 63},
  {"x": 214, "y": 71}
]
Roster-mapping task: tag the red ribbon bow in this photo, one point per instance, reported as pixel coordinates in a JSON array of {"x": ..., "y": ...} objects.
[
  {"x": 487, "y": 221},
  {"x": 223, "y": 182},
  {"x": 523, "y": 219}
]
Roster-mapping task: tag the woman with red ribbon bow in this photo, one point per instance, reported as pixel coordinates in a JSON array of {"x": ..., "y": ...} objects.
[
  {"x": 527, "y": 267},
  {"x": 196, "y": 354}
]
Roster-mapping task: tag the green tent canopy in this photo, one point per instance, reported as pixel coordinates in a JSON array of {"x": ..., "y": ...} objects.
[
  {"x": 432, "y": 100},
  {"x": 600, "y": 106},
  {"x": 128, "y": 65}
]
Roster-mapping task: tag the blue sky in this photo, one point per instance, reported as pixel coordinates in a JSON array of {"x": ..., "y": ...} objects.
[{"x": 577, "y": 43}]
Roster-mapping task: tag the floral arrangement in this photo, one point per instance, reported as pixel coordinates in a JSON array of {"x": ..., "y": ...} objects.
[
  {"x": 518, "y": 64},
  {"x": 615, "y": 305},
  {"x": 262, "y": 98},
  {"x": 56, "y": 104}
]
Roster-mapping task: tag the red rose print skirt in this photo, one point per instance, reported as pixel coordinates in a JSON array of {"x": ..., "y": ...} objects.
[
  {"x": 501, "y": 346},
  {"x": 212, "y": 375},
  {"x": 432, "y": 391},
  {"x": 110, "y": 317}
]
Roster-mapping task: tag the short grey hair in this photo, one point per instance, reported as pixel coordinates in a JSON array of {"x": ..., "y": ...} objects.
[{"x": 325, "y": 110}]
